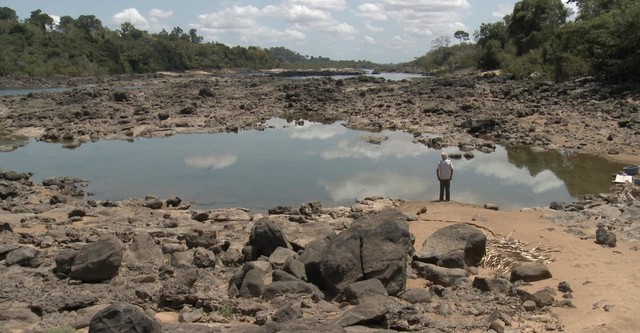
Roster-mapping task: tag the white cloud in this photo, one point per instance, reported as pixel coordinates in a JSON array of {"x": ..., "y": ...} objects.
[
  {"x": 303, "y": 14},
  {"x": 56, "y": 19},
  {"x": 419, "y": 18},
  {"x": 504, "y": 171},
  {"x": 357, "y": 148},
  {"x": 310, "y": 131},
  {"x": 335, "y": 5},
  {"x": 250, "y": 24},
  {"x": 387, "y": 184},
  {"x": 372, "y": 28},
  {"x": 373, "y": 11},
  {"x": 132, "y": 16},
  {"x": 502, "y": 10},
  {"x": 216, "y": 162},
  {"x": 369, "y": 40},
  {"x": 159, "y": 13}
]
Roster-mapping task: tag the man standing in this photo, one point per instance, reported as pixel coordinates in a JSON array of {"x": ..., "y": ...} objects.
[{"x": 445, "y": 173}]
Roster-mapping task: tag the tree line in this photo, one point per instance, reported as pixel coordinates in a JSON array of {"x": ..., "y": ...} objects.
[
  {"x": 37, "y": 46},
  {"x": 538, "y": 39}
]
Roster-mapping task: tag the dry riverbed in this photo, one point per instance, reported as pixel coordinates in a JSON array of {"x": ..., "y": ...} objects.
[{"x": 212, "y": 270}]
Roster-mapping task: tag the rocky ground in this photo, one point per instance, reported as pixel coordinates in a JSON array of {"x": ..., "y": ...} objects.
[
  {"x": 466, "y": 111},
  {"x": 68, "y": 262}
]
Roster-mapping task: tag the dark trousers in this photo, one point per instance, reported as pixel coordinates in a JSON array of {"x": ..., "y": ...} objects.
[{"x": 445, "y": 185}]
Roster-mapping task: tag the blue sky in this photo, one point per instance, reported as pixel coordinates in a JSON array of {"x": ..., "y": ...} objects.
[{"x": 382, "y": 31}]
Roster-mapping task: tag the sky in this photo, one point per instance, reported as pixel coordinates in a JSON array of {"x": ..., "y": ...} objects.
[{"x": 381, "y": 31}]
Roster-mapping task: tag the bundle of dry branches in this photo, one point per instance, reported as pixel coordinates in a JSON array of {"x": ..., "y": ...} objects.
[{"x": 503, "y": 253}]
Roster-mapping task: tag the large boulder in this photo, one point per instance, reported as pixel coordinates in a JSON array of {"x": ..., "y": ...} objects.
[
  {"x": 95, "y": 262},
  {"x": 266, "y": 237},
  {"x": 375, "y": 246},
  {"x": 454, "y": 246},
  {"x": 123, "y": 317}
]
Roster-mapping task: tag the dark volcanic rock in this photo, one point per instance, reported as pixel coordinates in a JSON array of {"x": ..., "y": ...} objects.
[
  {"x": 123, "y": 317},
  {"x": 266, "y": 237},
  {"x": 497, "y": 285},
  {"x": 95, "y": 262},
  {"x": 530, "y": 272},
  {"x": 455, "y": 246},
  {"x": 375, "y": 246},
  {"x": 605, "y": 237},
  {"x": 358, "y": 292},
  {"x": 201, "y": 238},
  {"x": 439, "y": 275},
  {"x": 22, "y": 256}
]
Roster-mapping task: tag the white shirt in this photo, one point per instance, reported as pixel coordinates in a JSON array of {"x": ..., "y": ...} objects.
[{"x": 445, "y": 169}]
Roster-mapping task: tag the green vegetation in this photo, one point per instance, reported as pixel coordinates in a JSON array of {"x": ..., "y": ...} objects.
[
  {"x": 446, "y": 58},
  {"x": 83, "y": 46},
  {"x": 537, "y": 40},
  {"x": 294, "y": 59},
  {"x": 227, "y": 309}
]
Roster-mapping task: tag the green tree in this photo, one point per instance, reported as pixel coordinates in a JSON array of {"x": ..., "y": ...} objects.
[
  {"x": 533, "y": 21},
  {"x": 40, "y": 19},
  {"x": 461, "y": 35},
  {"x": 89, "y": 24},
  {"x": 193, "y": 36},
  {"x": 8, "y": 14},
  {"x": 492, "y": 31},
  {"x": 440, "y": 42},
  {"x": 66, "y": 23},
  {"x": 590, "y": 9}
]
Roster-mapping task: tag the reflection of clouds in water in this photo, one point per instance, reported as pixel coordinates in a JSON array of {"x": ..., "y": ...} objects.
[
  {"x": 542, "y": 182},
  {"x": 217, "y": 161},
  {"x": 388, "y": 185},
  {"x": 311, "y": 131},
  {"x": 358, "y": 148}
]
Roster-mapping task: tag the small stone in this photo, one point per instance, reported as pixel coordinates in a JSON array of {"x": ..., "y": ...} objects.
[
  {"x": 200, "y": 216},
  {"x": 564, "y": 287},
  {"x": 556, "y": 205},
  {"x": 530, "y": 305},
  {"x": 605, "y": 237},
  {"x": 77, "y": 212},
  {"x": 491, "y": 206},
  {"x": 565, "y": 303},
  {"x": 608, "y": 307},
  {"x": 497, "y": 325}
]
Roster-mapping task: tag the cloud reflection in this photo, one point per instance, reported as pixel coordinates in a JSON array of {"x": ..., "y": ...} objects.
[
  {"x": 542, "y": 182},
  {"x": 358, "y": 148},
  {"x": 216, "y": 161},
  {"x": 387, "y": 184},
  {"x": 311, "y": 131}
]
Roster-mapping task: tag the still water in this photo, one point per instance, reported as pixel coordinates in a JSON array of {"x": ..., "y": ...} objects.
[{"x": 294, "y": 164}]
